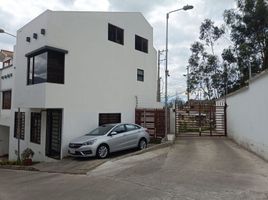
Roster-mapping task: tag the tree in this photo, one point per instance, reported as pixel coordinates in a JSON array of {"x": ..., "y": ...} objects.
[
  {"x": 215, "y": 75},
  {"x": 249, "y": 33},
  {"x": 210, "y": 33},
  {"x": 205, "y": 69}
]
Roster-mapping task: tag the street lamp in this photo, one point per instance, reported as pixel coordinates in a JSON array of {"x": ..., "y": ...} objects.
[
  {"x": 3, "y": 31},
  {"x": 187, "y": 7}
]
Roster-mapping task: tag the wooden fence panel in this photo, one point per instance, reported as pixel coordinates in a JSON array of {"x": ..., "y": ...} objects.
[{"x": 153, "y": 120}]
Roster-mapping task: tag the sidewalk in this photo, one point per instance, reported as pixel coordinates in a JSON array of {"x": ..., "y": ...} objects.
[
  {"x": 70, "y": 165},
  {"x": 84, "y": 165}
]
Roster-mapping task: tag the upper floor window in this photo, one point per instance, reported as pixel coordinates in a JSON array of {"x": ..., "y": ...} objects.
[
  {"x": 115, "y": 34},
  {"x": 141, "y": 44},
  {"x": 7, "y": 63},
  {"x": 140, "y": 75},
  {"x": 6, "y": 100},
  {"x": 46, "y": 65}
]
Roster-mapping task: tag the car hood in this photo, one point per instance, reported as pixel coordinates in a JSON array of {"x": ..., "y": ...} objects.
[{"x": 84, "y": 138}]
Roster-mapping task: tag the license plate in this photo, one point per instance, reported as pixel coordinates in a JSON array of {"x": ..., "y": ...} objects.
[{"x": 72, "y": 151}]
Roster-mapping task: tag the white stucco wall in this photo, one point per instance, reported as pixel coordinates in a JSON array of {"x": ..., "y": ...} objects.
[
  {"x": 247, "y": 116},
  {"x": 5, "y": 85},
  {"x": 100, "y": 75}
]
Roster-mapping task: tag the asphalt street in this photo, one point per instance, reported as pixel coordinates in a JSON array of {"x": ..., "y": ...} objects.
[{"x": 193, "y": 168}]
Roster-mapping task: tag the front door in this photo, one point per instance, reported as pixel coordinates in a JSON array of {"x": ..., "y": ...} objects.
[{"x": 53, "y": 139}]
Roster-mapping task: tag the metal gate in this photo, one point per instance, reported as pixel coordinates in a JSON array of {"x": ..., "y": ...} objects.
[{"x": 201, "y": 118}]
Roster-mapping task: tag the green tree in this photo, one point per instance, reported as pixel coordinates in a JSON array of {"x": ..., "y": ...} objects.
[
  {"x": 249, "y": 32},
  {"x": 205, "y": 68}
]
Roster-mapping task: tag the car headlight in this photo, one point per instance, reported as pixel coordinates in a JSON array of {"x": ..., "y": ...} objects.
[{"x": 90, "y": 142}]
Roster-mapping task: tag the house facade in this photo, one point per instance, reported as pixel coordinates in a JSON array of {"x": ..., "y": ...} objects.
[
  {"x": 6, "y": 89},
  {"x": 75, "y": 71}
]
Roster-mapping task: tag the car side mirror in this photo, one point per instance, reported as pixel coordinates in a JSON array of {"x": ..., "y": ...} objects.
[{"x": 113, "y": 133}]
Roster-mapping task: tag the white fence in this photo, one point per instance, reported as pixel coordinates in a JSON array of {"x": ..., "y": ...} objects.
[{"x": 247, "y": 115}]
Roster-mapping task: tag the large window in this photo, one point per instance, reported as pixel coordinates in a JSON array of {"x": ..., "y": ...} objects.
[
  {"x": 45, "y": 66},
  {"x": 141, "y": 44},
  {"x": 6, "y": 99},
  {"x": 21, "y": 125},
  {"x": 115, "y": 34},
  {"x": 140, "y": 75},
  {"x": 35, "y": 127},
  {"x": 109, "y": 118}
]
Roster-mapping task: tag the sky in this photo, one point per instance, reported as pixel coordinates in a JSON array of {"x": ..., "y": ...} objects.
[{"x": 183, "y": 25}]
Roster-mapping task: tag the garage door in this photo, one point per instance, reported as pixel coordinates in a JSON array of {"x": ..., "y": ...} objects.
[{"x": 109, "y": 118}]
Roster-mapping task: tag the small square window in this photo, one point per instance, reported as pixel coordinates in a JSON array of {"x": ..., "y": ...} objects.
[{"x": 140, "y": 75}]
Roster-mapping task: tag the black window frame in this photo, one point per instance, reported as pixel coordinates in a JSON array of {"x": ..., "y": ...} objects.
[
  {"x": 6, "y": 101},
  {"x": 35, "y": 130},
  {"x": 115, "y": 34},
  {"x": 22, "y": 125},
  {"x": 109, "y": 118},
  {"x": 55, "y": 65},
  {"x": 140, "y": 77},
  {"x": 141, "y": 44}
]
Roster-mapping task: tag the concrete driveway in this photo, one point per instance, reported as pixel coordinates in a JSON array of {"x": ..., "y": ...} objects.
[{"x": 193, "y": 168}]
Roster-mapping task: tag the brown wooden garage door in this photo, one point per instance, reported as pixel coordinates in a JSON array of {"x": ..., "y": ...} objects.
[{"x": 109, "y": 118}]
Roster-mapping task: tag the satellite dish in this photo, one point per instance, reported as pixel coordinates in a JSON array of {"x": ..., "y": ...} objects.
[{"x": 2, "y": 56}]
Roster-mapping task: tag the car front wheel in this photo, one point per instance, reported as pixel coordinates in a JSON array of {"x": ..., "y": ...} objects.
[{"x": 102, "y": 151}]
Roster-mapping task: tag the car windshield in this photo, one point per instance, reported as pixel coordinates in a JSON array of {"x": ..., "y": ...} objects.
[{"x": 101, "y": 130}]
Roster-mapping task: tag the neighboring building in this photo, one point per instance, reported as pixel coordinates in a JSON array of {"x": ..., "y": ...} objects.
[
  {"x": 78, "y": 70},
  {"x": 6, "y": 85}
]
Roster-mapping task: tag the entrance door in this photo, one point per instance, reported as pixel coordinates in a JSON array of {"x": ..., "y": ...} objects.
[{"x": 53, "y": 139}]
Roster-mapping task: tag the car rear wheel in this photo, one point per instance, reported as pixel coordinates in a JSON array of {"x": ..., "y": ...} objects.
[
  {"x": 142, "y": 144},
  {"x": 102, "y": 151}
]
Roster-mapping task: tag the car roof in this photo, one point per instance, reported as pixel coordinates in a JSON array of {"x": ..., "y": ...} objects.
[{"x": 115, "y": 124}]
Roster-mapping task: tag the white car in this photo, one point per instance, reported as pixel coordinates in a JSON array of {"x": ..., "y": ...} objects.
[{"x": 109, "y": 138}]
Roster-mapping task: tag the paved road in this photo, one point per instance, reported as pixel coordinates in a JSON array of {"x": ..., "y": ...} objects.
[{"x": 193, "y": 168}]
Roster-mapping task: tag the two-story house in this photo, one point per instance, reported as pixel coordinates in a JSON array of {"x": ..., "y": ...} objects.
[
  {"x": 77, "y": 70},
  {"x": 6, "y": 85}
]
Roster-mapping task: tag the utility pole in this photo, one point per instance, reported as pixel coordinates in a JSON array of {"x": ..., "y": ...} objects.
[
  {"x": 158, "y": 77},
  {"x": 158, "y": 74}
]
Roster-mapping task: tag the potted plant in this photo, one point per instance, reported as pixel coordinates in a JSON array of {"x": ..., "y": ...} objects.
[{"x": 27, "y": 156}]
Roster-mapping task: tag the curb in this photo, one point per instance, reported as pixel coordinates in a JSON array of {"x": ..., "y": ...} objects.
[{"x": 154, "y": 147}]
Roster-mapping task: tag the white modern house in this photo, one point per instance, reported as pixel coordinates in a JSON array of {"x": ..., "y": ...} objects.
[
  {"x": 6, "y": 86},
  {"x": 77, "y": 70}
]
